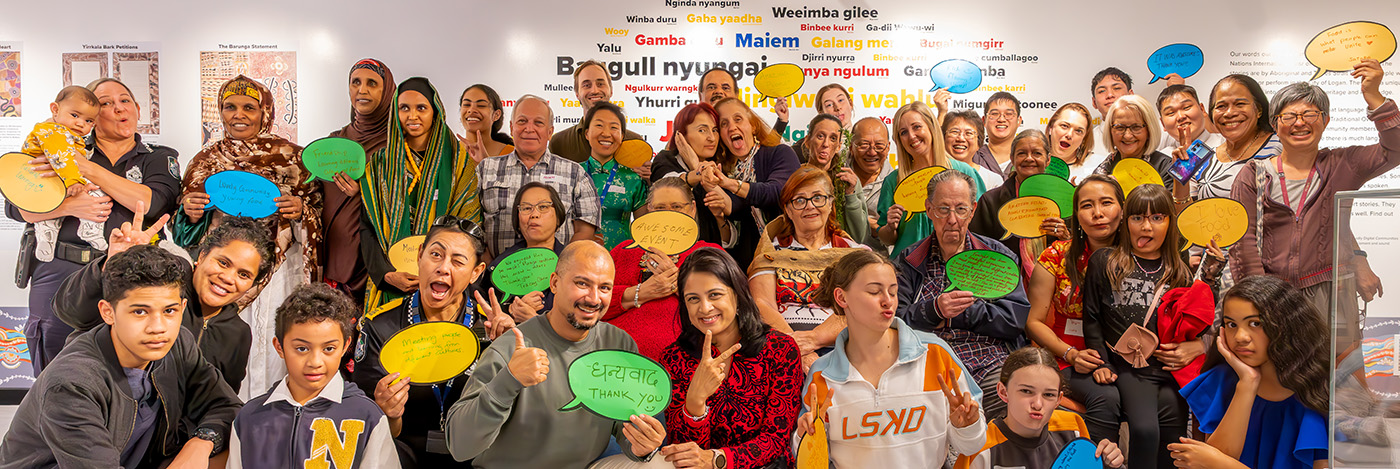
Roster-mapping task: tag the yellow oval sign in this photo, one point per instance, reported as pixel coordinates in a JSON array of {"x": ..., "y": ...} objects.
[
  {"x": 24, "y": 188},
  {"x": 430, "y": 352},
  {"x": 633, "y": 153},
  {"x": 1133, "y": 172},
  {"x": 669, "y": 232},
  {"x": 1218, "y": 218},
  {"x": 1340, "y": 47},
  {"x": 779, "y": 80},
  {"x": 912, "y": 191},
  {"x": 1022, "y": 216},
  {"x": 403, "y": 255}
]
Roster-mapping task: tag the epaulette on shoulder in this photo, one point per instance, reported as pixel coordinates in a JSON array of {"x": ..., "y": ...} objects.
[{"x": 382, "y": 308}]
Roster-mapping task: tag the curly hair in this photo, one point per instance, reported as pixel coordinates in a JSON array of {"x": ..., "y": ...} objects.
[
  {"x": 1298, "y": 343},
  {"x": 753, "y": 332},
  {"x": 243, "y": 229},
  {"x": 142, "y": 266},
  {"x": 313, "y": 303},
  {"x": 841, "y": 274}
]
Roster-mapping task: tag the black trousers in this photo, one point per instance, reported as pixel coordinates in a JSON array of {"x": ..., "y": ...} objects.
[
  {"x": 1103, "y": 409},
  {"x": 1155, "y": 411}
]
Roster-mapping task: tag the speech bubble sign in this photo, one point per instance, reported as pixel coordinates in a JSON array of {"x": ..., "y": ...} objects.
[
  {"x": 813, "y": 452},
  {"x": 403, "y": 255},
  {"x": 985, "y": 274},
  {"x": 1338, "y": 48},
  {"x": 1180, "y": 58},
  {"x": 1078, "y": 454},
  {"x": 912, "y": 191},
  {"x": 633, "y": 153},
  {"x": 779, "y": 80},
  {"x": 957, "y": 75},
  {"x": 1134, "y": 172},
  {"x": 1218, "y": 218},
  {"x": 1051, "y": 187},
  {"x": 617, "y": 384},
  {"x": 430, "y": 352},
  {"x": 525, "y": 271},
  {"x": 1058, "y": 168},
  {"x": 1023, "y": 215},
  {"x": 26, "y": 189},
  {"x": 669, "y": 232},
  {"x": 327, "y": 156},
  {"x": 241, "y": 194}
]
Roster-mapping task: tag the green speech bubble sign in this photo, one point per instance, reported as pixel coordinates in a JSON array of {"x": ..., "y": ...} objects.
[
  {"x": 1051, "y": 187},
  {"x": 526, "y": 271},
  {"x": 985, "y": 274},
  {"x": 325, "y": 157},
  {"x": 617, "y": 384},
  {"x": 1058, "y": 167}
]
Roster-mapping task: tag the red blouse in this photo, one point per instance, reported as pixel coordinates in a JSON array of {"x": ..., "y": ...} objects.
[
  {"x": 1066, "y": 307},
  {"x": 656, "y": 324},
  {"x": 752, "y": 415}
]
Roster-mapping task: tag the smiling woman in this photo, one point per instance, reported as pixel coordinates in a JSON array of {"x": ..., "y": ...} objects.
[
  {"x": 371, "y": 89},
  {"x": 621, "y": 191}
]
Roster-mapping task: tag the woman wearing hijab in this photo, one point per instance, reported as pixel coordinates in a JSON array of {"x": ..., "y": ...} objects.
[
  {"x": 408, "y": 184},
  {"x": 371, "y": 104},
  {"x": 249, "y": 145}
]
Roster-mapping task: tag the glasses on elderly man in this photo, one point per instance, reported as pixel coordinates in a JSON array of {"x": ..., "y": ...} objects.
[{"x": 943, "y": 211}]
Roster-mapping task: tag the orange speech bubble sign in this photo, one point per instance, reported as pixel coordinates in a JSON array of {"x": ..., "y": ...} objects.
[
  {"x": 912, "y": 191},
  {"x": 779, "y": 80},
  {"x": 403, "y": 255},
  {"x": 633, "y": 153},
  {"x": 1022, "y": 216},
  {"x": 1338, "y": 48}
]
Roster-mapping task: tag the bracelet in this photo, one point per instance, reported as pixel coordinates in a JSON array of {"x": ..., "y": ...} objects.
[
  {"x": 1065, "y": 356},
  {"x": 703, "y": 413},
  {"x": 637, "y": 296},
  {"x": 1184, "y": 200}
]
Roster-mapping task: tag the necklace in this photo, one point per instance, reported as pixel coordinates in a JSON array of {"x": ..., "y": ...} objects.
[
  {"x": 1144, "y": 269},
  {"x": 1244, "y": 151}
]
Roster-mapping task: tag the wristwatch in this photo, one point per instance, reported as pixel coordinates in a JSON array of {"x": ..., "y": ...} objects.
[
  {"x": 208, "y": 434},
  {"x": 720, "y": 462}
]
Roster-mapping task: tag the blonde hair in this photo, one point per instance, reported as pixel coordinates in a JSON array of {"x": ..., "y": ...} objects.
[
  {"x": 1144, "y": 109},
  {"x": 906, "y": 160}
]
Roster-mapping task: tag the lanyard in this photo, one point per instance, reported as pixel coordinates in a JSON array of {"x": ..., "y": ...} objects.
[
  {"x": 441, "y": 395},
  {"x": 1283, "y": 184},
  {"x": 611, "y": 174},
  {"x": 415, "y": 316}
]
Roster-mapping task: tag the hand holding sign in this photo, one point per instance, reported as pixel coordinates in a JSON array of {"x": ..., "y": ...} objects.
[
  {"x": 403, "y": 255},
  {"x": 1022, "y": 216},
  {"x": 985, "y": 274},
  {"x": 779, "y": 80},
  {"x": 1134, "y": 172},
  {"x": 1182, "y": 59},
  {"x": 912, "y": 191},
  {"x": 666, "y": 231},
  {"x": 958, "y": 76},
  {"x": 25, "y": 188},
  {"x": 525, "y": 271},
  {"x": 617, "y": 384},
  {"x": 430, "y": 352},
  {"x": 242, "y": 194},
  {"x": 1220, "y": 219},
  {"x": 633, "y": 153},
  {"x": 529, "y": 365},
  {"x": 813, "y": 452},
  {"x": 330, "y": 156},
  {"x": 1339, "y": 48},
  {"x": 1078, "y": 454}
]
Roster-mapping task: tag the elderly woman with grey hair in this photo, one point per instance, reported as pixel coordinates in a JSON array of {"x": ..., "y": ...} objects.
[
  {"x": 1030, "y": 155},
  {"x": 1288, "y": 198}
]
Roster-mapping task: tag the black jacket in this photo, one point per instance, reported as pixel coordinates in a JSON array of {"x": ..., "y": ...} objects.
[
  {"x": 224, "y": 339},
  {"x": 80, "y": 412}
]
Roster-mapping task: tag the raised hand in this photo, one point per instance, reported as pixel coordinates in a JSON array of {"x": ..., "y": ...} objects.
[
  {"x": 525, "y": 307},
  {"x": 529, "y": 365},
  {"x": 780, "y": 107},
  {"x": 709, "y": 375},
  {"x": 1370, "y": 73},
  {"x": 962, "y": 408},
  {"x": 817, "y": 405},
  {"x": 497, "y": 321},
  {"x": 131, "y": 234}
]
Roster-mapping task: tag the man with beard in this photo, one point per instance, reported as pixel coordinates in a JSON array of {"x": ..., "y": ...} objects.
[
  {"x": 591, "y": 85},
  {"x": 509, "y": 414}
]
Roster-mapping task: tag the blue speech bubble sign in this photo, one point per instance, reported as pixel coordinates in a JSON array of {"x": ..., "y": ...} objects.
[
  {"x": 1181, "y": 58},
  {"x": 1078, "y": 454},
  {"x": 957, "y": 75},
  {"x": 242, "y": 194}
]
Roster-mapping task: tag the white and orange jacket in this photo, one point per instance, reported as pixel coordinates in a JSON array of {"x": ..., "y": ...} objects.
[{"x": 902, "y": 423}]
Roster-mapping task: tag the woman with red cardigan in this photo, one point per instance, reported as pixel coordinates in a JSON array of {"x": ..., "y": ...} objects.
[
  {"x": 645, "y": 305},
  {"x": 735, "y": 381}
]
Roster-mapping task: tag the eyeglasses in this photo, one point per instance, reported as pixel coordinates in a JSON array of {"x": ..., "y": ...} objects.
[
  {"x": 971, "y": 134},
  {"x": 943, "y": 211},
  {"x": 467, "y": 226},
  {"x": 816, "y": 201},
  {"x": 866, "y": 146},
  {"x": 1309, "y": 117},
  {"x": 537, "y": 208},
  {"x": 1155, "y": 218},
  {"x": 998, "y": 114},
  {"x": 676, "y": 207},
  {"x": 1128, "y": 129}
]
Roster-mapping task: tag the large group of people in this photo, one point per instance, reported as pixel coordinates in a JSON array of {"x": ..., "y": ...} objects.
[{"x": 813, "y": 302}]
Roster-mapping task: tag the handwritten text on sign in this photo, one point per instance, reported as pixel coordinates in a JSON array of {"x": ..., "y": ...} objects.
[
  {"x": 1218, "y": 218},
  {"x": 669, "y": 232},
  {"x": 985, "y": 274},
  {"x": 330, "y": 155},
  {"x": 430, "y": 352},
  {"x": 242, "y": 194},
  {"x": 1022, "y": 216},
  {"x": 525, "y": 271},
  {"x": 25, "y": 188},
  {"x": 618, "y": 384},
  {"x": 912, "y": 191}
]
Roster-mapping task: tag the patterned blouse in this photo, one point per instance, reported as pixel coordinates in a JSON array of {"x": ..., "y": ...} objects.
[{"x": 1066, "y": 308}]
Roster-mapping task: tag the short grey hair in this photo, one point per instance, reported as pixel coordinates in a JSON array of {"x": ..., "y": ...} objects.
[
  {"x": 531, "y": 97},
  {"x": 953, "y": 175},
  {"x": 1029, "y": 134},
  {"x": 1300, "y": 91}
]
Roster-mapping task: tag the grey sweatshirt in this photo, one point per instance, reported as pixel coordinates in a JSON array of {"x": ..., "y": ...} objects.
[{"x": 504, "y": 424}]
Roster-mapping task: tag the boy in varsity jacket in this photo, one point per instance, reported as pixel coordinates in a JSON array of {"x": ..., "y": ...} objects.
[{"x": 313, "y": 417}]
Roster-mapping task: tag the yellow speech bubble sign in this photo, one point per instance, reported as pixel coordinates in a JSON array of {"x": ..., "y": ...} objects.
[
  {"x": 403, "y": 255},
  {"x": 779, "y": 80},
  {"x": 1218, "y": 218},
  {"x": 633, "y": 153},
  {"x": 1022, "y": 216},
  {"x": 1133, "y": 172},
  {"x": 813, "y": 452},
  {"x": 430, "y": 352},
  {"x": 912, "y": 191},
  {"x": 669, "y": 232},
  {"x": 1338, "y": 48},
  {"x": 25, "y": 188}
]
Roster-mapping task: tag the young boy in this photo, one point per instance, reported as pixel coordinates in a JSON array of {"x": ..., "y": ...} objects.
[
  {"x": 61, "y": 140},
  {"x": 120, "y": 395},
  {"x": 313, "y": 418}
]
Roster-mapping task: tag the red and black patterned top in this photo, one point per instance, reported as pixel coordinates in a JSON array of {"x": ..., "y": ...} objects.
[{"x": 752, "y": 416}]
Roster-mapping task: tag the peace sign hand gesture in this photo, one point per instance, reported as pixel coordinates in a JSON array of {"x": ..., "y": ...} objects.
[
  {"x": 131, "y": 234},
  {"x": 818, "y": 405},
  {"x": 709, "y": 375},
  {"x": 962, "y": 409}
]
